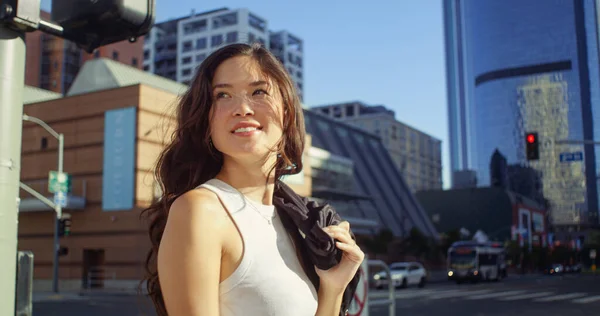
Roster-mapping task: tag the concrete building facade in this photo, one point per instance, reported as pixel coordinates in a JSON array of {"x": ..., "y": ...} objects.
[
  {"x": 175, "y": 48},
  {"x": 417, "y": 155}
]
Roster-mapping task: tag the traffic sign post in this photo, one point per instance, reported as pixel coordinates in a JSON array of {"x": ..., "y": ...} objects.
[{"x": 360, "y": 304}]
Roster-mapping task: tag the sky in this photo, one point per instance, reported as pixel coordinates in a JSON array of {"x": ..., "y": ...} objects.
[{"x": 379, "y": 52}]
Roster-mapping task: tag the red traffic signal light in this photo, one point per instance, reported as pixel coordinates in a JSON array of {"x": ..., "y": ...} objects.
[{"x": 532, "y": 146}]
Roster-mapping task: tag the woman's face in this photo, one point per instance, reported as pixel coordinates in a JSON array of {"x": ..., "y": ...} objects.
[{"x": 247, "y": 110}]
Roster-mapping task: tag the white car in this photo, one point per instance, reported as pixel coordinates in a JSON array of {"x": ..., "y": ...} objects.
[{"x": 403, "y": 275}]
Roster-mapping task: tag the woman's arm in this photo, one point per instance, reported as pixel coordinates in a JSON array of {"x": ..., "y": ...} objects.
[
  {"x": 333, "y": 282},
  {"x": 189, "y": 257},
  {"x": 330, "y": 301}
]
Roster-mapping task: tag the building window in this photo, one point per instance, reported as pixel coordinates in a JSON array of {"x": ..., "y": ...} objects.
[
  {"x": 299, "y": 74},
  {"x": 225, "y": 20},
  {"x": 232, "y": 37},
  {"x": 115, "y": 55},
  {"x": 298, "y": 61},
  {"x": 146, "y": 68},
  {"x": 55, "y": 65},
  {"x": 146, "y": 54},
  {"x": 97, "y": 54},
  {"x": 350, "y": 110},
  {"x": 186, "y": 72},
  {"x": 201, "y": 43},
  {"x": 200, "y": 58},
  {"x": 195, "y": 27},
  {"x": 44, "y": 143},
  {"x": 187, "y": 46},
  {"x": 134, "y": 62},
  {"x": 216, "y": 40},
  {"x": 251, "y": 38},
  {"x": 186, "y": 60},
  {"x": 257, "y": 23}
]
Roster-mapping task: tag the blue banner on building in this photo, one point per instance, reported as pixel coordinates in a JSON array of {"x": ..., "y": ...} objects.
[{"x": 118, "y": 175}]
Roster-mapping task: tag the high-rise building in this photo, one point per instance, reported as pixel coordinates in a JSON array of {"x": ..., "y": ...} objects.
[
  {"x": 53, "y": 62},
  {"x": 175, "y": 48},
  {"x": 519, "y": 66},
  {"x": 416, "y": 154}
]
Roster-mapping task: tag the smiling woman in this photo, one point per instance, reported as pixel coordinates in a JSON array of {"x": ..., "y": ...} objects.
[{"x": 220, "y": 247}]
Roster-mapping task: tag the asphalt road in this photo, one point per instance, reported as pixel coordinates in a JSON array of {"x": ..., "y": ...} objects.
[{"x": 570, "y": 295}]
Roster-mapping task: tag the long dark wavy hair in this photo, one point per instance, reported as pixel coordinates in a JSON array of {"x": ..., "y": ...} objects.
[{"x": 190, "y": 159}]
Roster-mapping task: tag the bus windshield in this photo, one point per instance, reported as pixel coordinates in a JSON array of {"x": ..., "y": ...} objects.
[{"x": 464, "y": 260}]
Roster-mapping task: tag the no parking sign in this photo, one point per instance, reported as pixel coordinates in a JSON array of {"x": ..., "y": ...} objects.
[{"x": 360, "y": 304}]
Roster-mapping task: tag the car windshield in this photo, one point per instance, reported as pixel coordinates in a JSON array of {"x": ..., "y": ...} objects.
[{"x": 398, "y": 267}]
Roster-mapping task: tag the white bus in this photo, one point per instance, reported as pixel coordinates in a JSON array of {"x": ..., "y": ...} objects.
[{"x": 475, "y": 261}]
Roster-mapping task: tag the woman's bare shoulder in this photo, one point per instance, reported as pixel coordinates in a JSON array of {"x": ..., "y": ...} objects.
[{"x": 200, "y": 208}]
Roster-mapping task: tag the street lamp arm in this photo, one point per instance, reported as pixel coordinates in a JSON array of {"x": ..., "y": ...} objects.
[{"x": 42, "y": 124}]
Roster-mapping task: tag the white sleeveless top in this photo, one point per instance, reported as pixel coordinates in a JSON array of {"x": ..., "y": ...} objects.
[{"x": 270, "y": 280}]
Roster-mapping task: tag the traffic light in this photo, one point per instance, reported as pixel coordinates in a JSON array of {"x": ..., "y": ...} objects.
[
  {"x": 64, "y": 227},
  {"x": 532, "y": 146},
  {"x": 63, "y": 251},
  {"x": 92, "y": 24}
]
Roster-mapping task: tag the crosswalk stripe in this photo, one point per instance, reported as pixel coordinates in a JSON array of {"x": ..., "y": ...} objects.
[
  {"x": 408, "y": 294},
  {"x": 458, "y": 294},
  {"x": 417, "y": 294},
  {"x": 585, "y": 300},
  {"x": 493, "y": 295},
  {"x": 559, "y": 297},
  {"x": 525, "y": 296}
]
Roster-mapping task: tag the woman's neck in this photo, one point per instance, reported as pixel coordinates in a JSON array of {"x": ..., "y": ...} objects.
[{"x": 252, "y": 181}]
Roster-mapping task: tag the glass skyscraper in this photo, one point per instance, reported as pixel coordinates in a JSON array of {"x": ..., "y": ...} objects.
[{"x": 518, "y": 66}]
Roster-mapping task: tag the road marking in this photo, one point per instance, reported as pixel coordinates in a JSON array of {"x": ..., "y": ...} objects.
[
  {"x": 525, "y": 296},
  {"x": 560, "y": 297},
  {"x": 458, "y": 294},
  {"x": 494, "y": 295},
  {"x": 585, "y": 300},
  {"x": 407, "y": 294}
]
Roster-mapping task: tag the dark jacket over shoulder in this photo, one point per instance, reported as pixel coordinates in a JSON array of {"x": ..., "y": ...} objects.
[{"x": 304, "y": 220}]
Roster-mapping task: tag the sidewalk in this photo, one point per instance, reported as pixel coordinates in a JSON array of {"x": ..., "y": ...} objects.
[
  {"x": 39, "y": 297},
  {"x": 83, "y": 294}
]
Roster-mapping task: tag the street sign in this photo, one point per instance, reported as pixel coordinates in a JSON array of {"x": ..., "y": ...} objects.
[
  {"x": 569, "y": 157},
  {"x": 59, "y": 182},
  {"x": 60, "y": 198},
  {"x": 593, "y": 254},
  {"x": 360, "y": 304}
]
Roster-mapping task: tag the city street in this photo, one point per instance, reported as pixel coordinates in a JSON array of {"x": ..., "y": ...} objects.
[
  {"x": 531, "y": 295},
  {"x": 519, "y": 295}
]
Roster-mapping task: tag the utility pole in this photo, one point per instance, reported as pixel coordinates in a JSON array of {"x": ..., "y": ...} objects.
[
  {"x": 57, "y": 206},
  {"x": 81, "y": 24},
  {"x": 12, "y": 79}
]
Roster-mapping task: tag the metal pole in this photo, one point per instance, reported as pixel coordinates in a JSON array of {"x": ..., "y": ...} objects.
[
  {"x": 58, "y": 209},
  {"x": 12, "y": 79}
]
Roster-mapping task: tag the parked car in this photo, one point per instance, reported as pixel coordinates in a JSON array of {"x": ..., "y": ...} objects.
[{"x": 404, "y": 274}]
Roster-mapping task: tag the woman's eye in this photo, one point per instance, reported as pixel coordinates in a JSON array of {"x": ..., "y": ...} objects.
[
  {"x": 221, "y": 95},
  {"x": 260, "y": 92}
]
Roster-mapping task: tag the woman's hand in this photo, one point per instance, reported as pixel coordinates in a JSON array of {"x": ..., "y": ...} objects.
[{"x": 337, "y": 278}]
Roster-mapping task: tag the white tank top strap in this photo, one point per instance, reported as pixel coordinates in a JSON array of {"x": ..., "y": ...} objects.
[{"x": 234, "y": 203}]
